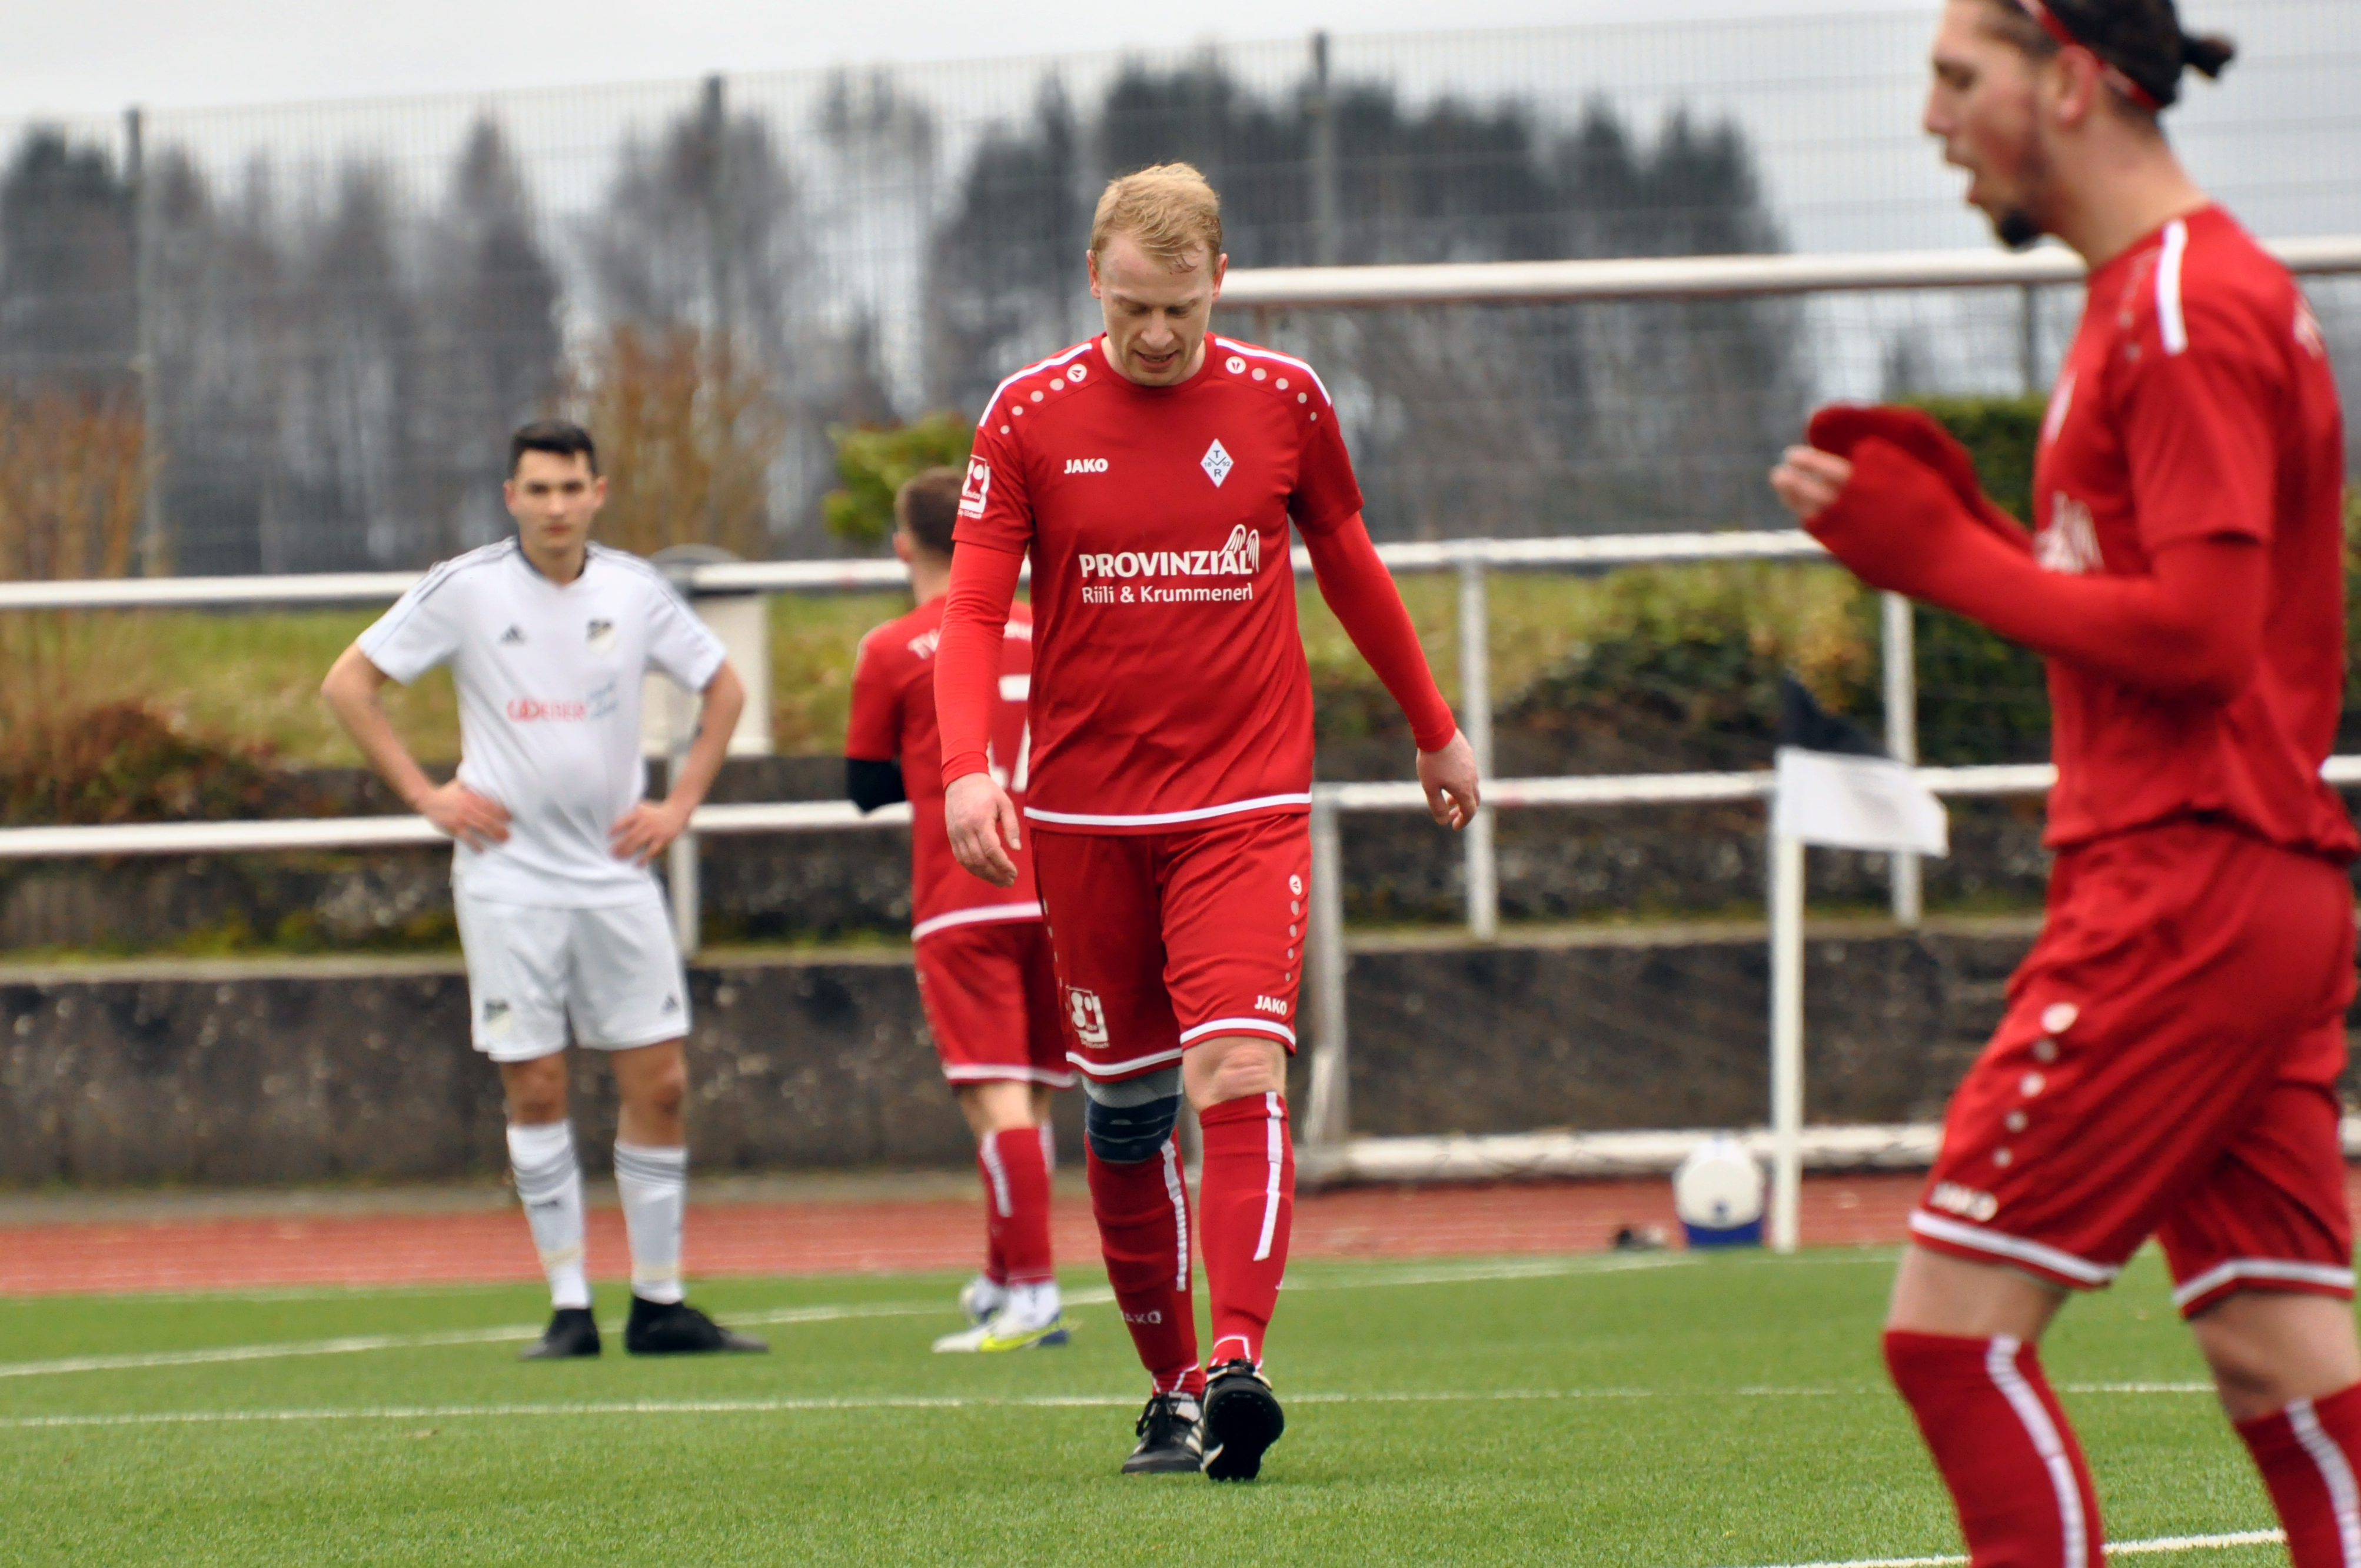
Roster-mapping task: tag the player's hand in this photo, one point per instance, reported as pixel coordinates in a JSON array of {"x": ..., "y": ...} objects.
[
  {"x": 1809, "y": 480},
  {"x": 647, "y": 830},
  {"x": 981, "y": 816},
  {"x": 1448, "y": 776},
  {"x": 457, "y": 811}
]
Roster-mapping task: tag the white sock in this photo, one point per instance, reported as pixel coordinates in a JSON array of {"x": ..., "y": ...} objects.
[
  {"x": 1049, "y": 1147},
  {"x": 549, "y": 1181},
  {"x": 1032, "y": 1306},
  {"x": 655, "y": 1188}
]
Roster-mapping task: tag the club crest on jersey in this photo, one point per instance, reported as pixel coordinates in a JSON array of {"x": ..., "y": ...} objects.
[
  {"x": 1216, "y": 464},
  {"x": 2070, "y": 543},
  {"x": 978, "y": 487},
  {"x": 1087, "y": 1014},
  {"x": 601, "y": 634}
]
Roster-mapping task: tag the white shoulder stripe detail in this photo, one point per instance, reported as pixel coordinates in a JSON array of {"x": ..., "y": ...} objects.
[
  {"x": 2170, "y": 321},
  {"x": 1251, "y": 352},
  {"x": 1038, "y": 366}
]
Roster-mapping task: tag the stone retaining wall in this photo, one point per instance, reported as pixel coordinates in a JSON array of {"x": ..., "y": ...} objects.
[{"x": 238, "y": 1073}]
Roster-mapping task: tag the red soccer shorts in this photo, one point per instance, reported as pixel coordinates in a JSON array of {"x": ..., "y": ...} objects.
[
  {"x": 990, "y": 994},
  {"x": 2167, "y": 1066},
  {"x": 1164, "y": 939}
]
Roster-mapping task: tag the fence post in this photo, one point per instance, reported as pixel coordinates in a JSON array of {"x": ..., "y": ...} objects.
[
  {"x": 1899, "y": 655},
  {"x": 1475, "y": 718},
  {"x": 1786, "y": 1037},
  {"x": 680, "y": 860},
  {"x": 143, "y": 316},
  {"x": 1329, "y": 1123}
]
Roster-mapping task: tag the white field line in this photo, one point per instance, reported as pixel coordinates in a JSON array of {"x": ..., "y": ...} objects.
[
  {"x": 886, "y": 1402},
  {"x": 2150, "y": 1548},
  {"x": 353, "y": 1344}
]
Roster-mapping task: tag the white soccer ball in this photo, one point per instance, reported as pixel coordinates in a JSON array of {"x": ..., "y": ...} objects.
[{"x": 1719, "y": 1186}]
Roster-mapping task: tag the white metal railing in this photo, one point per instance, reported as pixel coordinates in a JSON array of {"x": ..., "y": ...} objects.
[{"x": 1329, "y": 1146}]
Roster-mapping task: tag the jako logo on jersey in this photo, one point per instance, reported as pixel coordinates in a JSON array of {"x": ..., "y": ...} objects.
[
  {"x": 1089, "y": 1017},
  {"x": 2070, "y": 543},
  {"x": 1241, "y": 557},
  {"x": 1271, "y": 1004},
  {"x": 978, "y": 487},
  {"x": 1963, "y": 1200},
  {"x": 1086, "y": 465},
  {"x": 531, "y": 709}
]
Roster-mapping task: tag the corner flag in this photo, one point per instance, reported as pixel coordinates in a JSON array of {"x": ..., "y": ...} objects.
[{"x": 1836, "y": 788}]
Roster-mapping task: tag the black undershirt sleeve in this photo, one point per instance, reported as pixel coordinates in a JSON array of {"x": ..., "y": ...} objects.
[{"x": 870, "y": 784}]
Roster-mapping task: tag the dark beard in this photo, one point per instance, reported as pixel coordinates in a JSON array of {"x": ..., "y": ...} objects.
[{"x": 2017, "y": 228}]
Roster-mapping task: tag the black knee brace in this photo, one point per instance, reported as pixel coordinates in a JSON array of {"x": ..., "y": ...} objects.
[{"x": 1125, "y": 1135}]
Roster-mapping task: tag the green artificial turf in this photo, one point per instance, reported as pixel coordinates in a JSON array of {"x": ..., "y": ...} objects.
[{"x": 1657, "y": 1410}]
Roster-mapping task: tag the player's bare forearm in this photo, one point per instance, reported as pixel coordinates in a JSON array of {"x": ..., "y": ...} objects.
[
  {"x": 649, "y": 829},
  {"x": 981, "y": 822},
  {"x": 351, "y": 690}
]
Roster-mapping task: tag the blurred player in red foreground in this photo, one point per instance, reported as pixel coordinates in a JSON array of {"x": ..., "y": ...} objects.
[
  {"x": 2169, "y": 1059},
  {"x": 1152, "y": 473},
  {"x": 982, "y": 958}
]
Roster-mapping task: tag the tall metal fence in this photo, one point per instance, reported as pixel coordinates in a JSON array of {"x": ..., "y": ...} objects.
[{"x": 320, "y": 319}]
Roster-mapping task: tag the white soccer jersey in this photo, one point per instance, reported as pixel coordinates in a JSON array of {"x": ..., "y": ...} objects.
[{"x": 549, "y": 707}]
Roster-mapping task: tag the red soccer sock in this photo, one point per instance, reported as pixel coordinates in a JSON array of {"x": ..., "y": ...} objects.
[
  {"x": 2002, "y": 1442},
  {"x": 1142, "y": 1210},
  {"x": 1248, "y": 1193},
  {"x": 1017, "y": 1204},
  {"x": 2307, "y": 1454}
]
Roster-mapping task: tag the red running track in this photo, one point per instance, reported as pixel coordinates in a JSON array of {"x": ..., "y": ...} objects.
[{"x": 765, "y": 1239}]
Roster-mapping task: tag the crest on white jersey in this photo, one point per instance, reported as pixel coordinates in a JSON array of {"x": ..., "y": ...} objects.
[
  {"x": 601, "y": 636},
  {"x": 1216, "y": 464}
]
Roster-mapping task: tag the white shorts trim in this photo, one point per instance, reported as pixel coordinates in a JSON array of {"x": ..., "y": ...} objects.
[
  {"x": 2262, "y": 1269},
  {"x": 1122, "y": 1068},
  {"x": 1258, "y": 1025},
  {"x": 1163, "y": 819},
  {"x": 977, "y": 916},
  {"x": 985, "y": 1073},
  {"x": 2079, "y": 1269}
]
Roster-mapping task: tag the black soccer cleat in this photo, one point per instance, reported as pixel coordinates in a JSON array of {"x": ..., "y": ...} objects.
[
  {"x": 1241, "y": 1419},
  {"x": 572, "y": 1331},
  {"x": 675, "y": 1328},
  {"x": 1167, "y": 1437}
]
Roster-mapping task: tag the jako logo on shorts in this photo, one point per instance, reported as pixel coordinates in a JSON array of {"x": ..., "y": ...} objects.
[
  {"x": 1963, "y": 1200},
  {"x": 1089, "y": 1017}
]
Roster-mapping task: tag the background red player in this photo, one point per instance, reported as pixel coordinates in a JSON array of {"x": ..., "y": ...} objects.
[
  {"x": 983, "y": 956},
  {"x": 2169, "y": 1060},
  {"x": 1152, "y": 473}
]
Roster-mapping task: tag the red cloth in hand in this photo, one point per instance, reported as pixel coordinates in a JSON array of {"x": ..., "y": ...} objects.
[
  {"x": 2191, "y": 626},
  {"x": 967, "y": 655},
  {"x": 1361, "y": 591},
  {"x": 1841, "y": 428}
]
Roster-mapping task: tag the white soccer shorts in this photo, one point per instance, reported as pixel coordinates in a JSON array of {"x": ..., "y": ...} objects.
[{"x": 613, "y": 971}]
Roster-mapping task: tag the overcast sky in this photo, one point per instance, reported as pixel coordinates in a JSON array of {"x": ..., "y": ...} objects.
[{"x": 76, "y": 57}]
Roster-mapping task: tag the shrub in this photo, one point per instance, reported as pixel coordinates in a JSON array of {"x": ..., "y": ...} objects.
[{"x": 876, "y": 461}]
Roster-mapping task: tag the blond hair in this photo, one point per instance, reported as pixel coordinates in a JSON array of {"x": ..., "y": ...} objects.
[{"x": 1168, "y": 209}]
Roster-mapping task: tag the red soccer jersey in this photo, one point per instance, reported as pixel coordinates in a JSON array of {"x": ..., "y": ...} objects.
[
  {"x": 2197, "y": 402},
  {"x": 894, "y": 716},
  {"x": 1169, "y": 684}
]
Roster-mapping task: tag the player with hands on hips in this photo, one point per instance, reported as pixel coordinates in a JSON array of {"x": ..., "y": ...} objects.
[
  {"x": 2169, "y": 1059},
  {"x": 1170, "y": 772},
  {"x": 549, "y": 638}
]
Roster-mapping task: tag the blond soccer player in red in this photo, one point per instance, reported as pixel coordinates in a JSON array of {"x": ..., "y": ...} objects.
[
  {"x": 1152, "y": 473},
  {"x": 982, "y": 958},
  {"x": 2169, "y": 1060}
]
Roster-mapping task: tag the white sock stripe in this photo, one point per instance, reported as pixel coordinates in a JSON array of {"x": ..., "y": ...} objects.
[
  {"x": 659, "y": 1173},
  {"x": 538, "y": 1183},
  {"x": 2335, "y": 1473},
  {"x": 989, "y": 1146},
  {"x": 1049, "y": 1148},
  {"x": 1179, "y": 1196},
  {"x": 1276, "y": 1148},
  {"x": 2000, "y": 1364}
]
